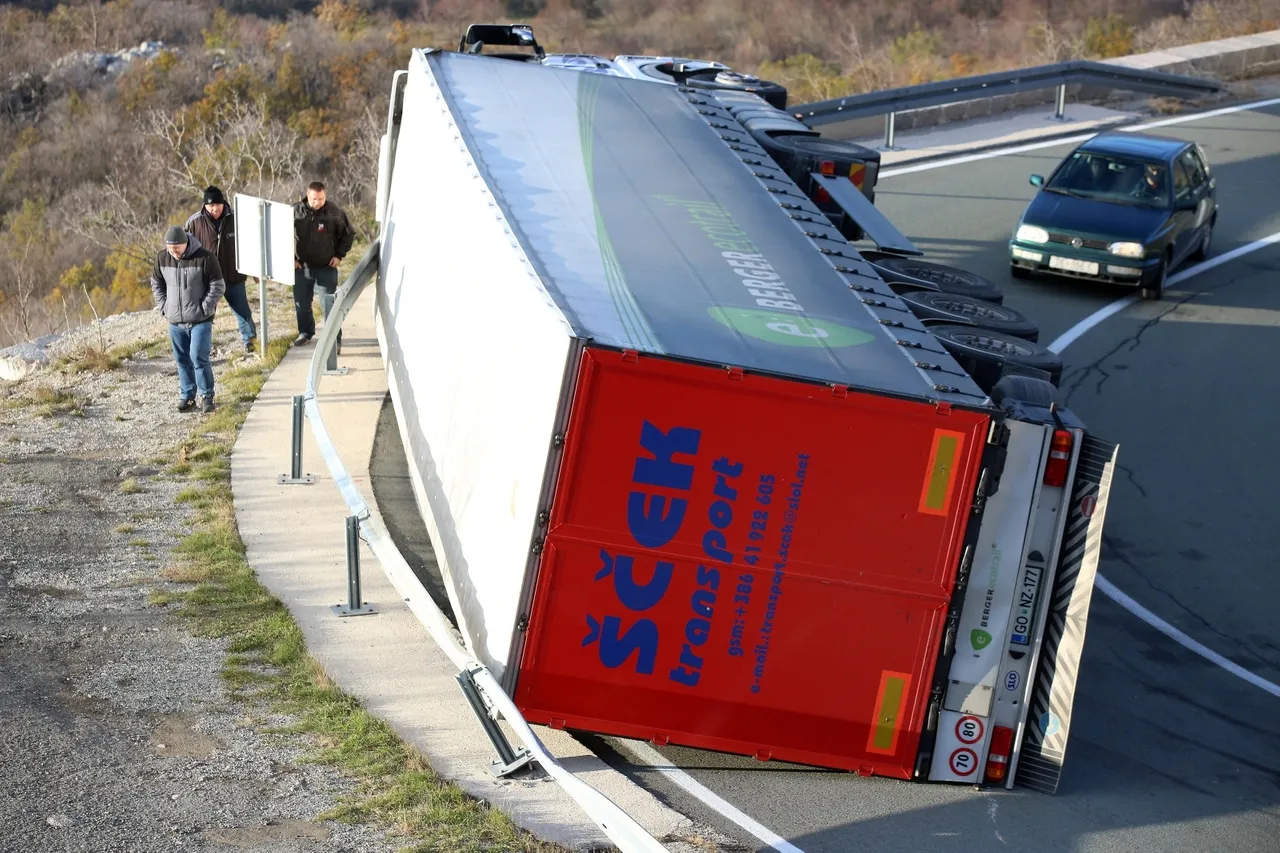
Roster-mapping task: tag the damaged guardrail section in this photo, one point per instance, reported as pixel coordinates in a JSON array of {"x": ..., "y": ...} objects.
[{"x": 474, "y": 678}]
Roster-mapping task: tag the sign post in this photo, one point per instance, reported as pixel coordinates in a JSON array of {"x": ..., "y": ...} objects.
[{"x": 268, "y": 255}]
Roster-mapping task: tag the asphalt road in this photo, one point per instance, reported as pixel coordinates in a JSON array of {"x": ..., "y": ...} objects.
[{"x": 1168, "y": 752}]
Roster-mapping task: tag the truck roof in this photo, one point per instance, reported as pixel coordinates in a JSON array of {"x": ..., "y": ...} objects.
[{"x": 649, "y": 232}]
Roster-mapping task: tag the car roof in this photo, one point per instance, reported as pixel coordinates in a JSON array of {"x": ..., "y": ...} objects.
[{"x": 1135, "y": 145}]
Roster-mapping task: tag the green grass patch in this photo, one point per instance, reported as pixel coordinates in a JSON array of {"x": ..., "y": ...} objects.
[
  {"x": 131, "y": 487},
  {"x": 267, "y": 657},
  {"x": 140, "y": 543},
  {"x": 125, "y": 528}
]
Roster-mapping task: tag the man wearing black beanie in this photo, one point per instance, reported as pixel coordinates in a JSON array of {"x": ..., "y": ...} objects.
[{"x": 215, "y": 227}]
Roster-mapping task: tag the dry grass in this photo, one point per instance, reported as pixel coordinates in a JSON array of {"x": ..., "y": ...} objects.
[{"x": 48, "y": 402}]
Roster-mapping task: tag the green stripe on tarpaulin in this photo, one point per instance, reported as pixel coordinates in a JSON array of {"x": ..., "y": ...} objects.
[{"x": 633, "y": 321}]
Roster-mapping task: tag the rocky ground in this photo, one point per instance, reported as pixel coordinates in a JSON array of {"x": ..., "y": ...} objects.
[{"x": 119, "y": 733}]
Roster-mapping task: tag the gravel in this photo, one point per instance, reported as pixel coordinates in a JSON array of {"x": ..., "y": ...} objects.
[{"x": 119, "y": 734}]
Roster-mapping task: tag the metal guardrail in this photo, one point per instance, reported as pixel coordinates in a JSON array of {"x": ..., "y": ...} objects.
[
  {"x": 889, "y": 102},
  {"x": 617, "y": 825}
]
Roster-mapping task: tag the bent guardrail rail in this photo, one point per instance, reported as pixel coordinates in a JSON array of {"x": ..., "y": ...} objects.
[
  {"x": 616, "y": 824},
  {"x": 889, "y": 102}
]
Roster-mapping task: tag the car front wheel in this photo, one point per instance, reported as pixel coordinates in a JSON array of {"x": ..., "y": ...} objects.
[{"x": 1153, "y": 288}]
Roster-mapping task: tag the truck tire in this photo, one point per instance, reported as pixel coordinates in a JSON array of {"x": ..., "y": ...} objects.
[
  {"x": 984, "y": 353},
  {"x": 931, "y": 276},
  {"x": 1025, "y": 389},
  {"x": 954, "y": 308}
]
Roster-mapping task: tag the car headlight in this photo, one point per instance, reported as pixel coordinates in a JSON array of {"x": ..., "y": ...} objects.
[
  {"x": 1031, "y": 234},
  {"x": 1127, "y": 250}
]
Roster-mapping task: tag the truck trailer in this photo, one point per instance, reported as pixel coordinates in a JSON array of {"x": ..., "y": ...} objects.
[{"x": 692, "y": 471}]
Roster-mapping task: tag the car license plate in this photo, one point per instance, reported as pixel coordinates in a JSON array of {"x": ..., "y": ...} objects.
[{"x": 1073, "y": 265}]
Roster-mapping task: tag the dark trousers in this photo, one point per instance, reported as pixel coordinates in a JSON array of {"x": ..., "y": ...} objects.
[
  {"x": 307, "y": 284},
  {"x": 238, "y": 299}
]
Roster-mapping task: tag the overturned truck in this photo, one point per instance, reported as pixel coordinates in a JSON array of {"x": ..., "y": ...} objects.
[{"x": 693, "y": 471}]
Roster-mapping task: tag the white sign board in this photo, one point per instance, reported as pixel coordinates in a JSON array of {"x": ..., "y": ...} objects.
[{"x": 264, "y": 239}]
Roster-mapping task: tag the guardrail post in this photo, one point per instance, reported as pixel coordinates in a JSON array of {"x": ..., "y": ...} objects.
[
  {"x": 509, "y": 760},
  {"x": 355, "y": 605},
  {"x": 262, "y": 320},
  {"x": 1060, "y": 104},
  {"x": 331, "y": 362},
  {"x": 889, "y": 121},
  {"x": 295, "y": 475}
]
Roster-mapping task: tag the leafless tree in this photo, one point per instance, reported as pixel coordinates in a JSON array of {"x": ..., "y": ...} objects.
[
  {"x": 240, "y": 147},
  {"x": 24, "y": 265},
  {"x": 117, "y": 216},
  {"x": 357, "y": 178}
]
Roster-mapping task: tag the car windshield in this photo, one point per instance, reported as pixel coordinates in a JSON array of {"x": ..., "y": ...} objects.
[{"x": 1116, "y": 179}]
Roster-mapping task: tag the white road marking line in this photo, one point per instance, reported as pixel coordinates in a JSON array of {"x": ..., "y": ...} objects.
[
  {"x": 655, "y": 759},
  {"x": 1070, "y": 336},
  {"x": 1109, "y": 589},
  {"x": 1070, "y": 140}
]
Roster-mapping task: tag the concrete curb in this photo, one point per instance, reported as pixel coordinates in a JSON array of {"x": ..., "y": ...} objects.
[{"x": 295, "y": 541}]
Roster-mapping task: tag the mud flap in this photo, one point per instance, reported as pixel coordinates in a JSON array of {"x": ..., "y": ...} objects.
[
  {"x": 860, "y": 209},
  {"x": 1039, "y": 763}
]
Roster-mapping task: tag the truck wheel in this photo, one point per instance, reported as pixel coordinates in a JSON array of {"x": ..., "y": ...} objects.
[
  {"x": 1025, "y": 389},
  {"x": 954, "y": 308},
  {"x": 937, "y": 277},
  {"x": 984, "y": 353}
]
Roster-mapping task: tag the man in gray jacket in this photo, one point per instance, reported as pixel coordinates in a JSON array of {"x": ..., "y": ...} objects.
[{"x": 187, "y": 283}]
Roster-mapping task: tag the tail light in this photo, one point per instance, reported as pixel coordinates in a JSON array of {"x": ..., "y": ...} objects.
[
  {"x": 827, "y": 167},
  {"x": 1055, "y": 473},
  {"x": 998, "y": 754},
  {"x": 822, "y": 196}
]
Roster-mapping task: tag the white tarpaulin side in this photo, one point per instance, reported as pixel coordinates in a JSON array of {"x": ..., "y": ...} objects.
[{"x": 476, "y": 354}]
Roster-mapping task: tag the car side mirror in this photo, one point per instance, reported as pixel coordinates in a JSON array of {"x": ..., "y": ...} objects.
[{"x": 1037, "y": 180}]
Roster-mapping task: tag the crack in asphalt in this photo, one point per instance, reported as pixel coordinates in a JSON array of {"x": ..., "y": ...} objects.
[
  {"x": 1132, "y": 478},
  {"x": 1081, "y": 374},
  {"x": 1118, "y": 553}
]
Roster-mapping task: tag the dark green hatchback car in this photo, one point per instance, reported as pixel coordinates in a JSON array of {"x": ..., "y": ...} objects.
[{"x": 1122, "y": 207}]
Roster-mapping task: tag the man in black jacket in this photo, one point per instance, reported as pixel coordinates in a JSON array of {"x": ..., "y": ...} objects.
[
  {"x": 214, "y": 225},
  {"x": 323, "y": 238},
  {"x": 187, "y": 284}
]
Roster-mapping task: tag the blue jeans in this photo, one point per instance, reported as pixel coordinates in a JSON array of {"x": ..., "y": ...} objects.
[
  {"x": 191, "y": 349},
  {"x": 307, "y": 285},
  {"x": 238, "y": 299}
]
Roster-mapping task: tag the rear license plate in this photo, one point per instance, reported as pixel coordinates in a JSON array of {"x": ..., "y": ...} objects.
[{"x": 1073, "y": 265}]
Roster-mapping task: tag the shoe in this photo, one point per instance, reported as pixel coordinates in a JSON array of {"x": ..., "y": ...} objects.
[
  {"x": 206, "y": 404},
  {"x": 301, "y": 339},
  {"x": 186, "y": 405},
  {"x": 250, "y": 345}
]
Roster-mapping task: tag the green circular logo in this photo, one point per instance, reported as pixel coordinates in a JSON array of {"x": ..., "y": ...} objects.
[{"x": 790, "y": 330}]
